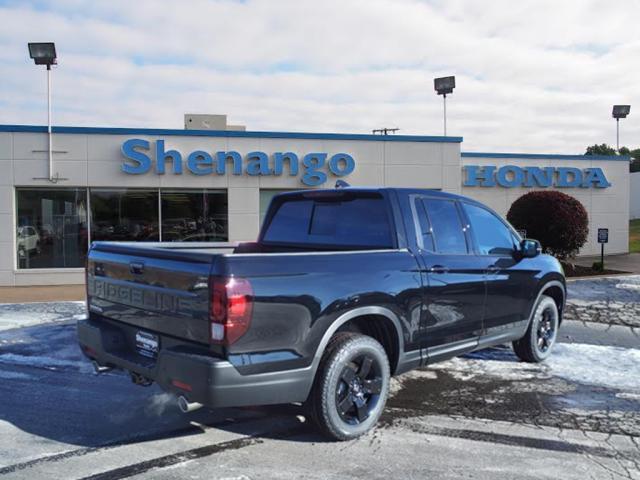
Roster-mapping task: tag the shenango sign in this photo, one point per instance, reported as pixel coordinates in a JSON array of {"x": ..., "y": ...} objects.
[
  {"x": 511, "y": 176},
  {"x": 312, "y": 165}
]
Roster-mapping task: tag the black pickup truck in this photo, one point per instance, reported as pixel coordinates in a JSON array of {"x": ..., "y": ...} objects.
[{"x": 343, "y": 289}]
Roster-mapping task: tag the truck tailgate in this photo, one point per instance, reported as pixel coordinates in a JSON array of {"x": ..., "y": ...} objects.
[{"x": 162, "y": 290}]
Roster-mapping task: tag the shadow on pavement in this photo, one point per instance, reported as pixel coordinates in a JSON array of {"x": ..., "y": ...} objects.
[{"x": 48, "y": 389}]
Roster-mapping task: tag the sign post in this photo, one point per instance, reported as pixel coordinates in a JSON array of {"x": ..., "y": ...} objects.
[{"x": 603, "y": 237}]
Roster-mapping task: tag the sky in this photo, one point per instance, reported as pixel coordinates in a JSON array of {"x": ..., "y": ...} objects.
[{"x": 531, "y": 75}]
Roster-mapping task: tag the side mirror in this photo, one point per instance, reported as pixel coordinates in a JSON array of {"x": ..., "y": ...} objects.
[{"x": 530, "y": 248}]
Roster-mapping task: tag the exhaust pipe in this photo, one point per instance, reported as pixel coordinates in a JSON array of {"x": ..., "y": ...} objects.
[
  {"x": 186, "y": 406},
  {"x": 100, "y": 368}
]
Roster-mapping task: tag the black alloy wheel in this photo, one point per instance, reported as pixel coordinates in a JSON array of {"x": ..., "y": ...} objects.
[
  {"x": 546, "y": 330},
  {"x": 359, "y": 389},
  {"x": 351, "y": 386},
  {"x": 541, "y": 333}
]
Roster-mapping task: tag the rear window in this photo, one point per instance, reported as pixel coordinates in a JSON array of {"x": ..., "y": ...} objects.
[{"x": 342, "y": 222}]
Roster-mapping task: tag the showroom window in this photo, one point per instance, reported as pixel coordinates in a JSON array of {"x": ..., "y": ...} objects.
[
  {"x": 194, "y": 216},
  {"x": 124, "y": 215},
  {"x": 51, "y": 228}
]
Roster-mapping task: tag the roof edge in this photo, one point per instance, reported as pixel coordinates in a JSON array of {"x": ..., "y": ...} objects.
[
  {"x": 542, "y": 156},
  {"x": 228, "y": 133}
]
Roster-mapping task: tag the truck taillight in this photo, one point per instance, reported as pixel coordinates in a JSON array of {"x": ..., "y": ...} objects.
[{"x": 230, "y": 309}]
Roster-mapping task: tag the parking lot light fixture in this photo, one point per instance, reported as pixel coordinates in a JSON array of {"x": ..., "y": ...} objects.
[
  {"x": 619, "y": 111},
  {"x": 444, "y": 86},
  {"x": 44, "y": 53}
]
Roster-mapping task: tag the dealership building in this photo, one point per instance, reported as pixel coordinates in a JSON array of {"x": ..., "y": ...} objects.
[{"x": 127, "y": 184}]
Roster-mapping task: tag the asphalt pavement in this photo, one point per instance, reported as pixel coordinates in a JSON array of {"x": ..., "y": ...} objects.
[{"x": 485, "y": 416}]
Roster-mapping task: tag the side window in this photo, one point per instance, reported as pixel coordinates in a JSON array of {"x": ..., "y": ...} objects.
[
  {"x": 448, "y": 235},
  {"x": 425, "y": 235},
  {"x": 491, "y": 234}
]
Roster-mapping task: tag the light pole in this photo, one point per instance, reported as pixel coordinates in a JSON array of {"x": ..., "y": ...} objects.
[
  {"x": 45, "y": 54},
  {"x": 619, "y": 111},
  {"x": 443, "y": 86}
]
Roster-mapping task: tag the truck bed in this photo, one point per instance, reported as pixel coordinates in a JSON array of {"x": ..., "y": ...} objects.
[
  {"x": 158, "y": 287},
  {"x": 164, "y": 287}
]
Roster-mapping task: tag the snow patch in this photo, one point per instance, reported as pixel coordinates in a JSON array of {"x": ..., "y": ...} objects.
[
  {"x": 578, "y": 302},
  {"x": 15, "y": 315},
  {"x": 611, "y": 367},
  {"x": 629, "y": 396},
  {"x": 467, "y": 369},
  {"x": 49, "y": 363},
  {"x": 177, "y": 465},
  {"x": 496, "y": 362},
  {"x": 71, "y": 302},
  {"x": 604, "y": 366},
  {"x": 14, "y": 375},
  {"x": 24, "y": 319},
  {"x": 397, "y": 383},
  {"x": 629, "y": 286}
]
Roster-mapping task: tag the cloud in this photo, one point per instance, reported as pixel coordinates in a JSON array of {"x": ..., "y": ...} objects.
[{"x": 532, "y": 76}]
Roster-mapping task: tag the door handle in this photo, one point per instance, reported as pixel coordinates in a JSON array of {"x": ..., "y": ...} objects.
[
  {"x": 439, "y": 269},
  {"x": 493, "y": 269}
]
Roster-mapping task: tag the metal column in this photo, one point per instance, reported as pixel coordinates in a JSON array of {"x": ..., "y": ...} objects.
[{"x": 49, "y": 123}]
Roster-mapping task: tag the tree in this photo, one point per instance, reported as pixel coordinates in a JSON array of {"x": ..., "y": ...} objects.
[
  {"x": 557, "y": 220},
  {"x": 624, "y": 151},
  {"x": 602, "y": 149},
  {"x": 635, "y": 160}
]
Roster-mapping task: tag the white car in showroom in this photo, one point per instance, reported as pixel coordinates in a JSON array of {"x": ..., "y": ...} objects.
[{"x": 27, "y": 240}]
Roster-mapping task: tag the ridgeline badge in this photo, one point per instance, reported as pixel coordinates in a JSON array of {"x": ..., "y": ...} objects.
[
  {"x": 200, "y": 162},
  {"x": 511, "y": 176}
]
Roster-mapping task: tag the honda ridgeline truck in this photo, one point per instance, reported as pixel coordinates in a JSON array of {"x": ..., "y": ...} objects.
[{"x": 343, "y": 289}]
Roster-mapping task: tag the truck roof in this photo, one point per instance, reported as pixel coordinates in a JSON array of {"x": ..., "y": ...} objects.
[{"x": 435, "y": 193}]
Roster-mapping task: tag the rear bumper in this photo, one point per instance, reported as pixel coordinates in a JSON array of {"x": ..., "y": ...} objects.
[{"x": 213, "y": 382}]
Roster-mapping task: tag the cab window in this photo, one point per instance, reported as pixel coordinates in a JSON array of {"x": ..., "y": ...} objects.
[
  {"x": 446, "y": 227},
  {"x": 492, "y": 236},
  {"x": 425, "y": 233}
]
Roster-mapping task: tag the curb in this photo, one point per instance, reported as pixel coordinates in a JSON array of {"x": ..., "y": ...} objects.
[{"x": 594, "y": 277}]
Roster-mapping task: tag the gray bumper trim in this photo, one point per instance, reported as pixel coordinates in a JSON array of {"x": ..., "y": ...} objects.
[{"x": 214, "y": 382}]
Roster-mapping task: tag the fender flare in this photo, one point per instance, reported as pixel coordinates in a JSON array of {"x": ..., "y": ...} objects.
[
  {"x": 545, "y": 286},
  {"x": 350, "y": 315}
]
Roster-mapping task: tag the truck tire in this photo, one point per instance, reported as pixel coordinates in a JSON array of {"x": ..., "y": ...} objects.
[
  {"x": 541, "y": 335},
  {"x": 351, "y": 386}
]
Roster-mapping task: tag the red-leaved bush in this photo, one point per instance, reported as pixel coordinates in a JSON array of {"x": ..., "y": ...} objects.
[{"x": 557, "y": 220}]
